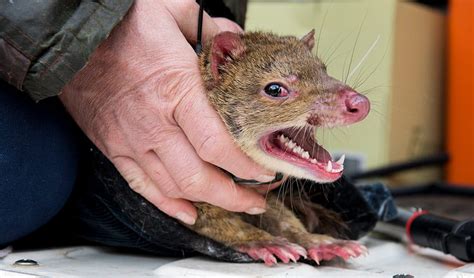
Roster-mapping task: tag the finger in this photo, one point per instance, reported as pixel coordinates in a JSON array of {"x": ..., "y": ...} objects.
[
  {"x": 264, "y": 189},
  {"x": 141, "y": 184},
  {"x": 225, "y": 24},
  {"x": 215, "y": 145},
  {"x": 157, "y": 172},
  {"x": 202, "y": 180},
  {"x": 186, "y": 14}
]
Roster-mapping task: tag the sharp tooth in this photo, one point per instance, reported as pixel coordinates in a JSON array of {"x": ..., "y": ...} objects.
[
  {"x": 340, "y": 161},
  {"x": 298, "y": 149},
  {"x": 291, "y": 144},
  {"x": 314, "y": 161},
  {"x": 329, "y": 166},
  {"x": 305, "y": 154},
  {"x": 281, "y": 138},
  {"x": 340, "y": 169}
]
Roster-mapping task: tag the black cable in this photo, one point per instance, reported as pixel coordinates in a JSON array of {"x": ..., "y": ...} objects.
[
  {"x": 198, "y": 47},
  {"x": 434, "y": 160},
  {"x": 437, "y": 188}
]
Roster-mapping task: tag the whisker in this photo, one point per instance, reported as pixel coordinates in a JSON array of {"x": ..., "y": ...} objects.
[
  {"x": 321, "y": 31},
  {"x": 377, "y": 66},
  {"x": 364, "y": 57},
  {"x": 355, "y": 46},
  {"x": 337, "y": 46}
]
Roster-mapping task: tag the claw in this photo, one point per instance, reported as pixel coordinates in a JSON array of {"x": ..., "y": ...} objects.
[
  {"x": 280, "y": 253},
  {"x": 268, "y": 252},
  {"x": 315, "y": 255},
  {"x": 351, "y": 252},
  {"x": 298, "y": 251},
  {"x": 337, "y": 248},
  {"x": 270, "y": 260},
  {"x": 320, "y": 250}
]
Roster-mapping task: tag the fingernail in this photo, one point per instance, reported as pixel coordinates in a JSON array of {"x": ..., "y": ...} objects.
[
  {"x": 255, "y": 211},
  {"x": 186, "y": 218},
  {"x": 265, "y": 178}
]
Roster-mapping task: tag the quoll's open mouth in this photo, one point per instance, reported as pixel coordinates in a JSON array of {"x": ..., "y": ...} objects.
[{"x": 299, "y": 147}]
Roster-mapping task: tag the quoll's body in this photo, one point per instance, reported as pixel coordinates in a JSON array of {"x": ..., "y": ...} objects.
[{"x": 273, "y": 93}]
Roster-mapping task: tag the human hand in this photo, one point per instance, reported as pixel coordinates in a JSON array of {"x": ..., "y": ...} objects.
[{"x": 141, "y": 100}]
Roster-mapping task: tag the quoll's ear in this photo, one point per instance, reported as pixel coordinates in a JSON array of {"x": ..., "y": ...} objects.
[
  {"x": 308, "y": 40},
  {"x": 226, "y": 47}
]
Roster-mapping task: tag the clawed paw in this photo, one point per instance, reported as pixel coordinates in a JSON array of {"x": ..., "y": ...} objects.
[
  {"x": 327, "y": 251},
  {"x": 319, "y": 249},
  {"x": 269, "y": 251}
]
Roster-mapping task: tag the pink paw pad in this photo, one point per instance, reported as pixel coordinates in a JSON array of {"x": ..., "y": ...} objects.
[
  {"x": 344, "y": 249},
  {"x": 268, "y": 252}
]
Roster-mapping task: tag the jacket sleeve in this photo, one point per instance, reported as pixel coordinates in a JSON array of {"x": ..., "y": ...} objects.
[{"x": 44, "y": 43}]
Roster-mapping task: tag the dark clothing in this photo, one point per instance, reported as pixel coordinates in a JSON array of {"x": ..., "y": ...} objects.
[
  {"x": 38, "y": 162},
  {"x": 44, "y": 43}
]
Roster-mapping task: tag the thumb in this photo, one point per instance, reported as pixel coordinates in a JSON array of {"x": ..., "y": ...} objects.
[
  {"x": 225, "y": 24},
  {"x": 186, "y": 15}
]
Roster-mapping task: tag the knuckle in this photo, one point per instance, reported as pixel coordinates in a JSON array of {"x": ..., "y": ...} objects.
[
  {"x": 194, "y": 184},
  {"x": 137, "y": 185},
  {"x": 170, "y": 190},
  {"x": 188, "y": 5},
  {"x": 211, "y": 149},
  {"x": 234, "y": 206},
  {"x": 162, "y": 204},
  {"x": 130, "y": 173},
  {"x": 235, "y": 203},
  {"x": 187, "y": 90},
  {"x": 180, "y": 8}
]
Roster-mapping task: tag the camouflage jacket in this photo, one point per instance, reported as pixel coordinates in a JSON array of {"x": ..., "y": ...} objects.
[{"x": 43, "y": 43}]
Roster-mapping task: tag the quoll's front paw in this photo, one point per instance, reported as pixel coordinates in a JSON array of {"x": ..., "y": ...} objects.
[
  {"x": 269, "y": 251},
  {"x": 324, "y": 248}
]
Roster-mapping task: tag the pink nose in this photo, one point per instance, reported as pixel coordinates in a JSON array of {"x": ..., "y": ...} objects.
[{"x": 357, "y": 106}]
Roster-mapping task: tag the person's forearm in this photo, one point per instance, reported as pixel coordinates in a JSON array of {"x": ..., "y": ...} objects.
[{"x": 43, "y": 44}]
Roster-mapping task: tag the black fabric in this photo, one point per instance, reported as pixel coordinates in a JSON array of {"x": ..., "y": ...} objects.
[
  {"x": 348, "y": 201},
  {"x": 106, "y": 211}
]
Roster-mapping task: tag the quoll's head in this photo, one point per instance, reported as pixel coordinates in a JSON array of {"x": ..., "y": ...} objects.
[{"x": 273, "y": 95}]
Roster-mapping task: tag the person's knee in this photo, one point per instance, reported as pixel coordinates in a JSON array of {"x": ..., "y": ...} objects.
[{"x": 38, "y": 163}]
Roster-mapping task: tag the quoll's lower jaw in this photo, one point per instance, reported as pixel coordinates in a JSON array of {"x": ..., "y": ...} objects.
[{"x": 298, "y": 147}]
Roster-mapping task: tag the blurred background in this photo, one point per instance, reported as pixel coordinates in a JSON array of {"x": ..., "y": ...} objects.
[{"x": 413, "y": 60}]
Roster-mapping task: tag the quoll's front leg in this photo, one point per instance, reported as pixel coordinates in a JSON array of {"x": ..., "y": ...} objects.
[
  {"x": 280, "y": 221},
  {"x": 229, "y": 228}
]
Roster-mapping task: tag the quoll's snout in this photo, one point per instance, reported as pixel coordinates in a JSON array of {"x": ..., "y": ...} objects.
[
  {"x": 356, "y": 105},
  {"x": 346, "y": 107}
]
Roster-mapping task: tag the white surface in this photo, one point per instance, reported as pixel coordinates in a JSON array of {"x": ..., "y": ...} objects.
[{"x": 384, "y": 260}]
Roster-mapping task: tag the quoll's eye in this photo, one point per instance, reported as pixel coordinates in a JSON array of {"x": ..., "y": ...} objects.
[{"x": 275, "y": 90}]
